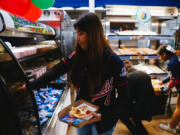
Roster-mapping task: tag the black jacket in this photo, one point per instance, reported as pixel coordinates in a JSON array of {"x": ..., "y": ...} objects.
[{"x": 142, "y": 95}]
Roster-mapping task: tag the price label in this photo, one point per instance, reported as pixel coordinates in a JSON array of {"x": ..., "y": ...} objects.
[
  {"x": 141, "y": 57},
  {"x": 134, "y": 57},
  {"x": 134, "y": 38},
  {"x": 141, "y": 37}
]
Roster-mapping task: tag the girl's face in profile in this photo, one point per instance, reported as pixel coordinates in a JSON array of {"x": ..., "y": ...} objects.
[
  {"x": 163, "y": 57},
  {"x": 82, "y": 39}
]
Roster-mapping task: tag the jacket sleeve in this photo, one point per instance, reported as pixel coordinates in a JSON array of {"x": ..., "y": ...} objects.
[
  {"x": 61, "y": 68},
  {"x": 174, "y": 80},
  {"x": 121, "y": 87},
  {"x": 167, "y": 79}
]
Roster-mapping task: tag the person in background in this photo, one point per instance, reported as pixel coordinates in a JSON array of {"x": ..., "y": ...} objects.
[
  {"x": 141, "y": 99},
  {"x": 97, "y": 73},
  {"x": 166, "y": 52}
]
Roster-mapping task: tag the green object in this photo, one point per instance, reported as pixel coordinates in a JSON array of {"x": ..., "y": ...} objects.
[{"x": 43, "y": 4}]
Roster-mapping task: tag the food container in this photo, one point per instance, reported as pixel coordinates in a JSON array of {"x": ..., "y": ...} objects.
[{"x": 78, "y": 113}]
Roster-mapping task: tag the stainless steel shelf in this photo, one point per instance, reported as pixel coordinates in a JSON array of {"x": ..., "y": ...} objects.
[
  {"x": 140, "y": 37},
  {"x": 24, "y": 34},
  {"x": 4, "y": 57},
  {"x": 53, "y": 51},
  {"x": 138, "y": 57}
]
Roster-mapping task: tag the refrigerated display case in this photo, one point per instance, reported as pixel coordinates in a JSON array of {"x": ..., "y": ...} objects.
[
  {"x": 27, "y": 50},
  {"x": 15, "y": 26}
]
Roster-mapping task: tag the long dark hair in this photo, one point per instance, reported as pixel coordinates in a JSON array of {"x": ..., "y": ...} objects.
[{"x": 97, "y": 45}]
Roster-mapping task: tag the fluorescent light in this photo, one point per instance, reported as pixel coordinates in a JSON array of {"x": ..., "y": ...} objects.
[
  {"x": 67, "y": 8},
  {"x": 82, "y": 8},
  {"x": 100, "y": 8},
  {"x": 131, "y": 10}
]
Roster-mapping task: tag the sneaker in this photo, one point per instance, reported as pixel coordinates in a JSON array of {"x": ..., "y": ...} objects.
[{"x": 167, "y": 128}]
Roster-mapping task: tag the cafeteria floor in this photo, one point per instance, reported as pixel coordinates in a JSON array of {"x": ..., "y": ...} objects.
[{"x": 152, "y": 127}]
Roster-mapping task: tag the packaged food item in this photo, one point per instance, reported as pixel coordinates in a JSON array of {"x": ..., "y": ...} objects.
[
  {"x": 159, "y": 89},
  {"x": 78, "y": 113},
  {"x": 82, "y": 111}
]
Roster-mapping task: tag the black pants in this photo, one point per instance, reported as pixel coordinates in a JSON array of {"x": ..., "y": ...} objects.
[{"x": 134, "y": 125}]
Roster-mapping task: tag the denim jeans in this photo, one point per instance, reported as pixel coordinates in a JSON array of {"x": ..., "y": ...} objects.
[{"x": 90, "y": 129}]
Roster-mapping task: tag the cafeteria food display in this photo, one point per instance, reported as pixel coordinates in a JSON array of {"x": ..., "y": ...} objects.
[
  {"x": 149, "y": 69},
  {"x": 31, "y": 48},
  {"x": 46, "y": 100},
  {"x": 135, "y": 51},
  {"x": 24, "y": 51},
  {"x": 159, "y": 89}
]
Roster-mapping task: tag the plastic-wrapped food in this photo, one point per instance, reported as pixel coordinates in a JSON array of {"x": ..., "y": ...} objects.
[{"x": 42, "y": 121}]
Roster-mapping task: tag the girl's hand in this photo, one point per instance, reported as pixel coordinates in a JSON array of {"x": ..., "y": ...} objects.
[
  {"x": 160, "y": 83},
  {"x": 96, "y": 118}
]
